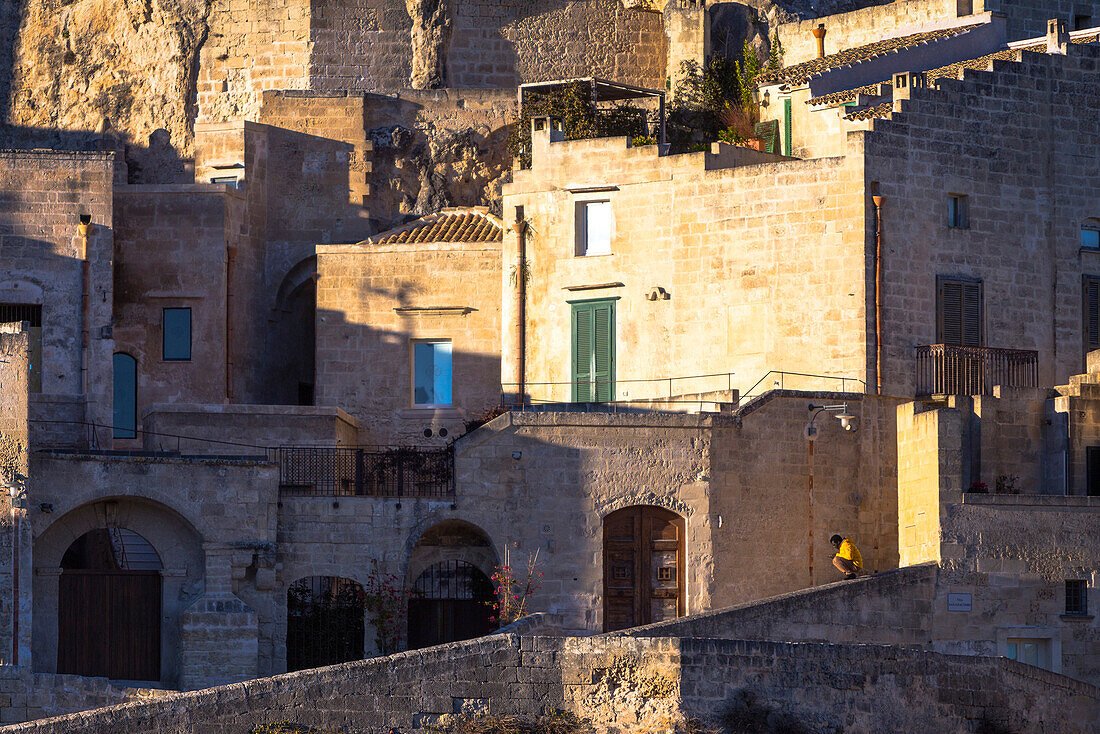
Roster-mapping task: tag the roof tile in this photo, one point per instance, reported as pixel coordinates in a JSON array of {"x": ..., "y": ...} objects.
[{"x": 450, "y": 225}]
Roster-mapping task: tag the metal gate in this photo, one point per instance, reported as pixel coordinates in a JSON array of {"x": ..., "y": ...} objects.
[
  {"x": 324, "y": 622},
  {"x": 451, "y": 602}
]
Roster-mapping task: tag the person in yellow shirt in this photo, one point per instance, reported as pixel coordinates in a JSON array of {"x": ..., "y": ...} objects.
[{"x": 847, "y": 559}]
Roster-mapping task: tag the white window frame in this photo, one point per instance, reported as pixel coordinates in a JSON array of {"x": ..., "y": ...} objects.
[
  {"x": 583, "y": 247},
  {"x": 1050, "y": 635},
  {"x": 413, "y": 343},
  {"x": 1089, "y": 225},
  {"x": 961, "y": 219}
]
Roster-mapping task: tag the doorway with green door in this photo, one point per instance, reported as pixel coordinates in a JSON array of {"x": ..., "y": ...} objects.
[{"x": 592, "y": 366}]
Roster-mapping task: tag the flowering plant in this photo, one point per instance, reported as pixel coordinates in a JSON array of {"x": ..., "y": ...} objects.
[
  {"x": 978, "y": 488},
  {"x": 513, "y": 591},
  {"x": 386, "y": 602}
]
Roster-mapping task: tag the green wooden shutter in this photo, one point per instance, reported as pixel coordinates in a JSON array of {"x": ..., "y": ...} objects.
[
  {"x": 582, "y": 353},
  {"x": 1092, "y": 313},
  {"x": 603, "y": 351},
  {"x": 959, "y": 313},
  {"x": 769, "y": 131},
  {"x": 592, "y": 366},
  {"x": 787, "y": 126}
]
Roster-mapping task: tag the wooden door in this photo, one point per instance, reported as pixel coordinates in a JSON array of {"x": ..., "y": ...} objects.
[
  {"x": 451, "y": 601},
  {"x": 643, "y": 553},
  {"x": 109, "y": 624}
]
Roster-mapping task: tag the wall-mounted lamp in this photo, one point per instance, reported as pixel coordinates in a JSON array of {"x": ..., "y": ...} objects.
[
  {"x": 766, "y": 99},
  {"x": 840, "y": 412}
]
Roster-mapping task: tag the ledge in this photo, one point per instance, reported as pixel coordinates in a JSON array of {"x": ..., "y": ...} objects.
[
  {"x": 434, "y": 310},
  {"x": 1031, "y": 500}
]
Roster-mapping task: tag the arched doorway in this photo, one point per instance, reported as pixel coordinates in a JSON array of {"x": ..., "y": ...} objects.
[
  {"x": 450, "y": 602},
  {"x": 643, "y": 567},
  {"x": 109, "y": 607},
  {"x": 324, "y": 622},
  {"x": 448, "y": 582}
]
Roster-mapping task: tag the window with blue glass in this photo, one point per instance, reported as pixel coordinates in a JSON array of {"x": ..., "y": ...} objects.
[
  {"x": 125, "y": 402},
  {"x": 431, "y": 373},
  {"x": 177, "y": 334}
]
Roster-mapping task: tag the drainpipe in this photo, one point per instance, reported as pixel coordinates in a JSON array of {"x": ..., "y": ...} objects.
[
  {"x": 229, "y": 257},
  {"x": 17, "y": 522},
  {"x": 878, "y": 201},
  {"x": 83, "y": 230},
  {"x": 819, "y": 34},
  {"x": 519, "y": 325}
]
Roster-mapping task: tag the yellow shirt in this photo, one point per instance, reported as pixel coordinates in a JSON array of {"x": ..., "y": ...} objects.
[{"x": 848, "y": 550}]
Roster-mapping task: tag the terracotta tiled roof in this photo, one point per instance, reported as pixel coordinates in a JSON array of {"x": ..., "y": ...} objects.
[
  {"x": 869, "y": 113},
  {"x": 838, "y": 98},
  {"x": 473, "y": 224},
  {"x": 800, "y": 73}
]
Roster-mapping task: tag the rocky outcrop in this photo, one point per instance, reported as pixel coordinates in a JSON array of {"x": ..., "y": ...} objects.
[
  {"x": 78, "y": 68},
  {"x": 431, "y": 36}
]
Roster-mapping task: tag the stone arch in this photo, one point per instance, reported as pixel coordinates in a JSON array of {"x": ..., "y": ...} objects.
[
  {"x": 667, "y": 502},
  {"x": 437, "y": 539},
  {"x": 290, "y": 369},
  {"x": 179, "y": 548}
]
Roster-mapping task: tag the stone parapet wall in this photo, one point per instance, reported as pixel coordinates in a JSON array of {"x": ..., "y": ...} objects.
[
  {"x": 624, "y": 683},
  {"x": 245, "y": 429},
  {"x": 888, "y": 608}
]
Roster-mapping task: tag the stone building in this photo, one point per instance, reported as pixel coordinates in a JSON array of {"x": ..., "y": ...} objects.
[{"x": 235, "y": 402}]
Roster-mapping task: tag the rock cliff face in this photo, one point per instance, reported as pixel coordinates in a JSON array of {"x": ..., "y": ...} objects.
[{"x": 76, "y": 68}]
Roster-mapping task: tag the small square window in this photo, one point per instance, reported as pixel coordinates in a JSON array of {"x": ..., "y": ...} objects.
[
  {"x": 231, "y": 181},
  {"x": 594, "y": 228},
  {"x": 958, "y": 214},
  {"x": 1081, "y": 22},
  {"x": 1090, "y": 239},
  {"x": 431, "y": 373},
  {"x": 1077, "y": 597},
  {"x": 177, "y": 334}
]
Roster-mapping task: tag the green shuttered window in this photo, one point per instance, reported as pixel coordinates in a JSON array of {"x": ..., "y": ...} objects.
[
  {"x": 787, "y": 126},
  {"x": 959, "y": 312},
  {"x": 593, "y": 360}
]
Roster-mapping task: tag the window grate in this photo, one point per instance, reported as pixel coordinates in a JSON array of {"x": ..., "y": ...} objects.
[
  {"x": 14, "y": 312},
  {"x": 1076, "y": 597}
]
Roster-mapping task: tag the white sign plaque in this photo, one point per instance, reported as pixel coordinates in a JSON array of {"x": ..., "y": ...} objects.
[{"x": 959, "y": 602}]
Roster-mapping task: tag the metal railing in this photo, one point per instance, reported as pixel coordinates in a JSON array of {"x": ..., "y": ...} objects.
[
  {"x": 656, "y": 388},
  {"x": 780, "y": 380},
  {"x": 944, "y": 369},
  {"x": 365, "y": 471}
]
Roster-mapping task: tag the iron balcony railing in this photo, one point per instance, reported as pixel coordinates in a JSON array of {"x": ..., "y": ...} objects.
[
  {"x": 944, "y": 369},
  {"x": 366, "y": 471}
]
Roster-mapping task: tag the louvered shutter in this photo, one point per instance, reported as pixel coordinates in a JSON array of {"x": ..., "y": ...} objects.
[
  {"x": 593, "y": 358},
  {"x": 603, "y": 351},
  {"x": 582, "y": 354},
  {"x": 1092, "y": 313},
  {"x": 959, "y": 316},
  {"x": 787, "y": 126}
]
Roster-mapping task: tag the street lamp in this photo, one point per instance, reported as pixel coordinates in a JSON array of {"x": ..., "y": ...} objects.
[{"x": 840, "y": 413}]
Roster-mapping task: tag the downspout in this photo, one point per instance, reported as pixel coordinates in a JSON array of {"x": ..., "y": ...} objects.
[
  {"x": 520, "y": 324},
  {"x": 17, "y": 522},
  {"x": 229, "y": 257},
  {"x": 82, "y": 230},
  {"x": 878, "y": 201}
]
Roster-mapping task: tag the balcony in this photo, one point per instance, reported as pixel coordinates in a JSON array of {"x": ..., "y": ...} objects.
[
  {"x": 365, "y": 471},
  {"x": 944, "y": 369}
]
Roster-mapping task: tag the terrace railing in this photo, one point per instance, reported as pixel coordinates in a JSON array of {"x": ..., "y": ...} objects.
[
  {"x": 365, "y": 471},
  {"x": 944, "y": 369}
]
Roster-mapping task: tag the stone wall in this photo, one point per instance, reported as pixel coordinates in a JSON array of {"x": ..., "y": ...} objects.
[
  {"x": 42, "y": 265},
  {"x": 358, "y": 291},
  {"x": 627, "y": 683},
  {"x": 172, "y": 244},
  {"x": 887, "y": 608},
  {"x": 245, "y": 429},
  {"x": 1023, "y": 241},
  {"x": 704, "y": 227},
  {"x": 25, "y": 696}
]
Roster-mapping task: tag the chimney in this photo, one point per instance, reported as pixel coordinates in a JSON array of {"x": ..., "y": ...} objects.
[
  {"x": 819, "y": 34},
  {"x": 1057, "y": 36}
]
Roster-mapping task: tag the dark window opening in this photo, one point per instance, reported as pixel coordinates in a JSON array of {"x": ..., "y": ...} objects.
[
  {"x": 1082, "y": 21},
  {"x": 177, "y": 334},
  {"x": 1090, "y": 308},
  {"x": 958, "y": 211},
  {"x": 305, "y": 393},
  {"x": 1077, "y": 597},
  {"x": 1092, "y": 471},
  {"x": 324, "y": 622},
  {"x": 125, "y": 396}
]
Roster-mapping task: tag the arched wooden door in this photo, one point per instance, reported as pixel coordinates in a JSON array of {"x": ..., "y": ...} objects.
[
  {"x": 109, "y": 607},
  {"x": 450, "y": 602},
  {"x": 643, "y": 567}
]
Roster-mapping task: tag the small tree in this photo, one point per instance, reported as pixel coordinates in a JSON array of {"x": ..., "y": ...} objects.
[
  {"x": 387, "y": 603},
  {"x": 513, "y": 591}
]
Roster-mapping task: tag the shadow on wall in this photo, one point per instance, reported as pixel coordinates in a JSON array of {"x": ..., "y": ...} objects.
[{"x": 397, "y": 394}]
